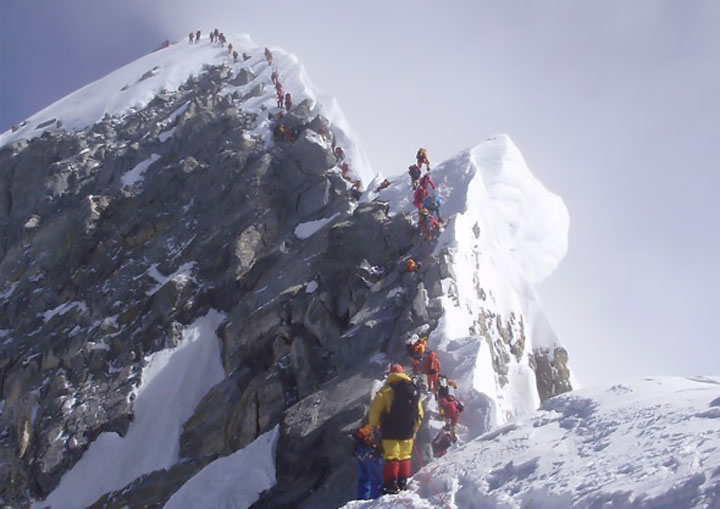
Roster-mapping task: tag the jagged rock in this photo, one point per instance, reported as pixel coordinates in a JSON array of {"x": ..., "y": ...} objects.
[
  {"x": 311, "y": 154},
  {"x": 315, "y": 195},
  {"x": 256, "y": 91},
  {"x": 153, "y": 489},
  {"x": 315, "y": 444},
  {"x": 206, "y": 432},
  {"x": 243, "y": 77},
  {"x": 247, "y": 246},
  {"x": 551, "y": 372}
]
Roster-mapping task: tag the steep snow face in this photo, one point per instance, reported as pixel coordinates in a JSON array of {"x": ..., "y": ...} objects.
[
  {"x": 232, "y": 482},
  {"x": 135, "y": 85},
  {"x": 505, "y": 232},
  {"x": 646, "y": 443},
  {"x": 173, "y": 383}
]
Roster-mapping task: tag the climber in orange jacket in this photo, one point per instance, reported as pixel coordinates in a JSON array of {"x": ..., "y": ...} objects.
[
  {"x": 422, "y": 158},
  {"x": 398, "y": 410},
  {"x": 417, "y": 351},
  {"x": 431, "y": 368}
]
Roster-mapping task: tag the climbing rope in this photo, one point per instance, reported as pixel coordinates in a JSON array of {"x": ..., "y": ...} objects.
[{"x": 437, "y": 491}]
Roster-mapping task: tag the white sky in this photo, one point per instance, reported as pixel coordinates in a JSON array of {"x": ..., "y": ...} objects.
[{"x": 614, "y": 104}]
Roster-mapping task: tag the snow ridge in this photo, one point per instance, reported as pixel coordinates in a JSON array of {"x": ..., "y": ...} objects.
[
  {"x": 505, "y": 232},
  {"x": 650, "y": 442},
  {"x": 134, "y": 86}
]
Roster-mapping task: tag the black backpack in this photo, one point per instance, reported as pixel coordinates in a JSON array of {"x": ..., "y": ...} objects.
[
  {"x": 443, "y": 388},
  {"x": 399, "y": 423}
]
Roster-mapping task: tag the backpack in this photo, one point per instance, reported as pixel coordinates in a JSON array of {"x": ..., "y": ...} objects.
[
  {"x": 399, "y": 423},
  {"x": 443, "y": 388},
  {"x": 441, "y": 443},
  {"x": 432, "y": 202}
]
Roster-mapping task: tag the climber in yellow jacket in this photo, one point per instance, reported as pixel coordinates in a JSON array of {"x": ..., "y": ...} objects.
[{"x": 398, "y": 411}]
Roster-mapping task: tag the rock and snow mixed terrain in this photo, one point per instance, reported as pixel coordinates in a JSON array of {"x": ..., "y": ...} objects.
[{"x": 193, "y": 314}]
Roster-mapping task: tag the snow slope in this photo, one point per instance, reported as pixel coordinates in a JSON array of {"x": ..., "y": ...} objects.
[
  {"x": 505, "y": 232},
  {"x": 133, "y": 86},
  {"x": 232, "y": 482},
  {"x": 173, "y": 383},
  {"x": 653, "y": 442}
]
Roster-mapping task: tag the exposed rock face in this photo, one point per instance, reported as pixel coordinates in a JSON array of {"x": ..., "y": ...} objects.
[
  {"x": 98, "y": 270},
  {"x": 552, "y": 372}
]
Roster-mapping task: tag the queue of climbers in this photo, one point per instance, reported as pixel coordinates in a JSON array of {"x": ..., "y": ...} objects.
[
  {"x": 396, "y": 411},
  {"x": 282, "y": 132},
  {"x": 384, "y": 446},
  {"x": 428, "y": 203}
]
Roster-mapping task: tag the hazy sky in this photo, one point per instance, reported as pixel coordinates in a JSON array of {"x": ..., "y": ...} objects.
[{"x": 614, "y": 104}]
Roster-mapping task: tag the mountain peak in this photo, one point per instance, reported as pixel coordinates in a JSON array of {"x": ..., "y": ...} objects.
[{"x": 174, "y": 221}]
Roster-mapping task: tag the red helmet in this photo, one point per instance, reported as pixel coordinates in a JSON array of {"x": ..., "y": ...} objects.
[{"x": 396, "y": 368}]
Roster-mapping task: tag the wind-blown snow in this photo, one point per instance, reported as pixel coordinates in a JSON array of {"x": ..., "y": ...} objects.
[
  {"x": 232, "y": 482},
  {"x": 182, "y": 275},
  {"x": 133, "y": 86},
  {"x": 173, "y": 383},
  {"x": 62, "y": 309},
  {"x": 132, "y": 177},
  {"x": 310, "y": 228},
  {"x": 647, "y": 443}
]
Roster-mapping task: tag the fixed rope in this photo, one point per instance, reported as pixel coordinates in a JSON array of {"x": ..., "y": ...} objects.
[{"x": 435, "y": 489}]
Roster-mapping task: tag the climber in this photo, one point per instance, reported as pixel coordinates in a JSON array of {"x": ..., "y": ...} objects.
[
  {"x": 414, "y": 172},
  {"x": 426, "y": 179},
  {"x": 191, "y": 36},
  {"x": 444, "y": 384},
  {"x": 431, "y": 368},
  {"x": 230, "y": 47},
  {"x": 370, "y": 463},
  {"x": 288, "y": 101},
  {"x": 411, "y": 265},
  {"x": 274, "y": 77},
  {"x": 355, "y": 191},
  {"x": 235, "y": 55},
  {"x": 398, "y": 411},
  {"x": 339, "y": 155},
  {"x": 345, "y": 170},
  {"x": 217, "y": 35},
  {"x": 417, "y": 351},
  {"x": 419, "y": 197},
  {"x": 212, "y": 36},
  {"x": 222, "y": 40},
  {"x": 280, "y": 97},
  {"x": 268, "y": 56},
  {"x": 450, "y": 409},
  {"x": 421, "y": 157},
  {"x": 428, "y": 226},
  {"x": 442, "y": 441},
  {"x": 197, "y": 37},
  {"x": 383, "y": 185},
  {"x": 433, "y": 204},
  {"x": 279, "y": 133}
]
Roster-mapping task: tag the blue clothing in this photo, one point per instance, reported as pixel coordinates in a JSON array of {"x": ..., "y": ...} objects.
[
  {"x": 370, "y": 471},
  {"x": 433, "y": 204}
]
